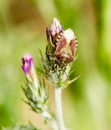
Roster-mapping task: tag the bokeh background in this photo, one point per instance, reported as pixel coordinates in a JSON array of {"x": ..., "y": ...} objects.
[{"x": 87, "y": 102}]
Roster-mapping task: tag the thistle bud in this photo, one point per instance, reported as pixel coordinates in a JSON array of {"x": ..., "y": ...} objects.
[
  {"x": 62, "y": 44},
  {"x": 29, "y": 69}
]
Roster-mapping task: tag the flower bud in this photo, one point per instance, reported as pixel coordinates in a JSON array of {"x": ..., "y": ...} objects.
[
  {"x": 29, "y": 69},
  {"x": 53, "y": 31},
  {"x": 62, "y": 43}
]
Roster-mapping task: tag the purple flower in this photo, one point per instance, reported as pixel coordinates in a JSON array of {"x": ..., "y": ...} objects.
[
  {"x": 27, "y": 63},
  {"x": 53, "y": 31},
  {"x": 29, "y": 69}
]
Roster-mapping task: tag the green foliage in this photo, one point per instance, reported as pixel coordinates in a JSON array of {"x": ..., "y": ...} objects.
[
  {"x": 36, "y": 98},
  {"x": 21, "y": 127}
]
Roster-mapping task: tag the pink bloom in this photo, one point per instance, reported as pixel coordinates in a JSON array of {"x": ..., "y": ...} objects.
[
  {"x": 27, "y": 63},
  {"x": 29, "y": 69},
  {"x": 53, "y": 31}
]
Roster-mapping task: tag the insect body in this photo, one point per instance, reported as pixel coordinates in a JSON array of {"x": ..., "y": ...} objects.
[{"x": 66, "y": 44}]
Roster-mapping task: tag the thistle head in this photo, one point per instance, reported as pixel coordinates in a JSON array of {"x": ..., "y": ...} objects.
[
  {"x": 29, "y": 69},
  {"x": 62, "y": 43}
]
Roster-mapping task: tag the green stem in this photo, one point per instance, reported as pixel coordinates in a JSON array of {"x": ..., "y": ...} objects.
[
  {"x": 58, "y": 103},
  {"x": 51, "y": 120}
]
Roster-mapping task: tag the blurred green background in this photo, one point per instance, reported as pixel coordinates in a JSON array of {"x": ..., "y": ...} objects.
[{"x": 87, "y": 102}]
